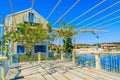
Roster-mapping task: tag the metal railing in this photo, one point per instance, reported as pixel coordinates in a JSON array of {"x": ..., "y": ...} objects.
[
  {"x": 0, "y": 70},
  {"x": 108, "y": 62},
  {"x": 86, "y": 59},
  {"x": 6, "y": 68}
]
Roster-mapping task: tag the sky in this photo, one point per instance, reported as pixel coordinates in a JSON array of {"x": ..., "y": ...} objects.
[{"x": 44, "y": 7}]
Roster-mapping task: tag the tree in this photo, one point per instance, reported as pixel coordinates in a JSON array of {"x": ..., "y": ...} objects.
[
  {"x": 67, "y": 33},
  {"x": 27, "y": 34},
  {"x": 67, "y": 45}
]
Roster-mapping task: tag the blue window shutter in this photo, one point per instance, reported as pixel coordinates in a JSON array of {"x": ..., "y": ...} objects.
[
  {"x": 20, "y": 49},
  {"x": 23, "y": 19},
  {"x": 34, "y": 19},
  {"x": 1, "y": 34},
  {"x": 35, "y": 49},
  {"x": 39, "y": 48},
  {"x": 38, "y": 20},
  {"x": 31, "y": 17},
  {"x": 43, "y": 48}
]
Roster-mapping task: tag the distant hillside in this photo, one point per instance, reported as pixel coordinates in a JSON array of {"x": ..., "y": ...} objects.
[
  {"x": 94, "y": 45},
  {"x": 107, "y": 43},
  {"x": 114, "y": 43}
]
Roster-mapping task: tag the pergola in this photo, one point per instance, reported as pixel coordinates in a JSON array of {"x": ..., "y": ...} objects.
[{"x": 80, "y": 29}]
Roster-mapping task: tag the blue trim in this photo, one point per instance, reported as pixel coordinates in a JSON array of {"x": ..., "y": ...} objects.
[
  {"x": 0, "y": 70},
  {"x": 2, "y": 39}
]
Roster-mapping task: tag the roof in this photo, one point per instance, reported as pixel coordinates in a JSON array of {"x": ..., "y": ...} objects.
[
  {"x": 25, "y": 11},
  {"x": 109, "y": 44}
]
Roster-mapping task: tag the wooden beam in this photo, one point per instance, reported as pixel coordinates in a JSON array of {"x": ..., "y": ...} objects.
[
  {"x": 93, "y": 30},
  {"x": 1, "y": 25},
  {"x": 56, "y": 29}
]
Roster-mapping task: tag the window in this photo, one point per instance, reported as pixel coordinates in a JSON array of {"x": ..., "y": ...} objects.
[
  {"x": 31, "y": 17},
  {"x": 38, "y": 20},
  {"x": 23, "y": 19},
  {"x": 20, "y": 49},
  {"x": 39, "y": 48}
]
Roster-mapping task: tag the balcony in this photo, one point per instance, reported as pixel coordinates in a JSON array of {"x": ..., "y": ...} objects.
[{"x": 25, "y": 19}]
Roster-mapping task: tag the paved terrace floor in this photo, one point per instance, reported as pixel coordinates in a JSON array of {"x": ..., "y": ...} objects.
[{"x": 56, "y": 70}]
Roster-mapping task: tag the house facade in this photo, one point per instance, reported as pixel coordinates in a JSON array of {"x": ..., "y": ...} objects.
[
  {"x": 26, "y": 16},
  {"x": 109, "y": 47}
]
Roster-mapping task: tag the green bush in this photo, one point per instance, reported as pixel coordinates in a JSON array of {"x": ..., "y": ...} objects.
[
  {"x": 44, "y": 58},
  {"x": 56, "y": 57},
  {"x": 24, "y": 58}
]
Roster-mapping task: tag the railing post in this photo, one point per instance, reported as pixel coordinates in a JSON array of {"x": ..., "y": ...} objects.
[
  {"x": 39, "y": 56},
  {"x": 10, "y": 59},
  {"x": 73, "y": 57},
  {"x": 97, "y": 57},
  {"x": 14, "y": 47},
  {"x": 2, "y": 59},
  {"x": 62, "y": 58}
]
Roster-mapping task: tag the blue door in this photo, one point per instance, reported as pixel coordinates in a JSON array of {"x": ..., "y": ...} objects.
[
  {"x": 20, "y": 49},
  {"x": 40, "y": 48},
  {"x": 31, "y": 17}
]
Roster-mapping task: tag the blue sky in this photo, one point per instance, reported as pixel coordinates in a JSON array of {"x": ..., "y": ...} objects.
[{"x": 45, "y": 6}]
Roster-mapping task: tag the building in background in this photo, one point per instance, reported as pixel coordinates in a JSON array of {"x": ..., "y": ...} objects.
[{"x": 109, "y": 47}]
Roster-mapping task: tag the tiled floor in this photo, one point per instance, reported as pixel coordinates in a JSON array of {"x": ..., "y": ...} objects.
[{"x": 56, "y": 70}]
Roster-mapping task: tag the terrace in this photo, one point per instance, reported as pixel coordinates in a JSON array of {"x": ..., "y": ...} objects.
[
  {"x": 58, "y": 70},
  {"x": 82, "y": 67}
]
